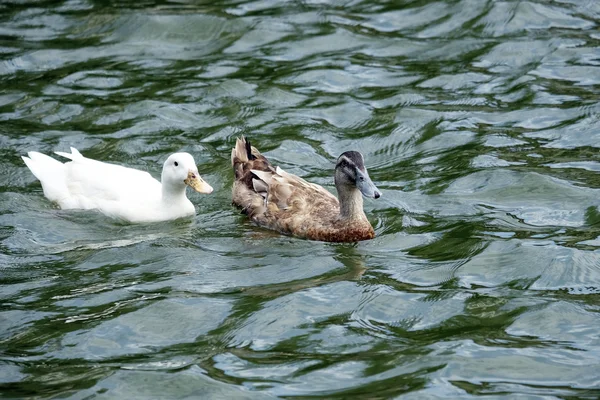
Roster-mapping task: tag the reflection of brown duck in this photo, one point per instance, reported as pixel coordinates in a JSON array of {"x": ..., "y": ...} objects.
[{"x": 287, "y": 203}]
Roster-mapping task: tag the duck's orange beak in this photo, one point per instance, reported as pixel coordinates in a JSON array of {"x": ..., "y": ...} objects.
[{"x": 194, "y": 181}]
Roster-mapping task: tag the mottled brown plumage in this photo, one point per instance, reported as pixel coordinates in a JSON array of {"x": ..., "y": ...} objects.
[{"x": 287, "y": 203}]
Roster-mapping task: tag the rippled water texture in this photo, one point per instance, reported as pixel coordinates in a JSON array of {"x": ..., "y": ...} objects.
[{"x": 479, "y": 120}]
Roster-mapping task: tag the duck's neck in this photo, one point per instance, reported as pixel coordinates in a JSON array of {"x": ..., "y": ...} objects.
[
  {"x": 351, "y": 203},
  {"x": 173, "y": 193}
]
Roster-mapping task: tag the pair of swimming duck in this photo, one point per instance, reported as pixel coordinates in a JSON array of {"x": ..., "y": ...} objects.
[{"x": 270, "y": 196}]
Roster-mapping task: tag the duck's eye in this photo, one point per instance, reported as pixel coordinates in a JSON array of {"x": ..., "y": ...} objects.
[
  {"x": 362, "y": 178},
  {"x": 176, "y": 163}
]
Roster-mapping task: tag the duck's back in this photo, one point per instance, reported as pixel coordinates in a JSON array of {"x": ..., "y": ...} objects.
[
  {"x": 287, "y": 203},
  {"x": 83, "y": 183}
]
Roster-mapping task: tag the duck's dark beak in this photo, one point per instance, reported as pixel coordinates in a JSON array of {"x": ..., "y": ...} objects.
[
  {"x": 366, "y": 185},
  {"x": 194, "y": 181}
]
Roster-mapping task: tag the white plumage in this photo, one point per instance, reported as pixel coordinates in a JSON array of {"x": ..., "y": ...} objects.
[{"x": 117, "y": 191}]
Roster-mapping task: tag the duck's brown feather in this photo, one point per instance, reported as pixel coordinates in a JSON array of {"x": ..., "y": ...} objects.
[{"x": 287, "y": 203}]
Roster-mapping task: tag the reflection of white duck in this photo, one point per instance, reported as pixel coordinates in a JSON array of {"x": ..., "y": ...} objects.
[{"x": 117, "y": 191}]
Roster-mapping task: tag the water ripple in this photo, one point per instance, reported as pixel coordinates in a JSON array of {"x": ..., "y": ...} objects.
[{"x": 478, "y": 120}]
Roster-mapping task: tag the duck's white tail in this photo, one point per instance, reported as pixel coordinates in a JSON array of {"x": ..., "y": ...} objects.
[
  {"x": 75, "y": 154},
  {"x": 51, "y": 174}
]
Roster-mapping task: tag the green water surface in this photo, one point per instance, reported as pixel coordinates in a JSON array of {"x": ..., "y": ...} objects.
[{"x": 479, "y": 120}]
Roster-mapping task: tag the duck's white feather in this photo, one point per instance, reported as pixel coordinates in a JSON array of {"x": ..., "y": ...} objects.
[
  {"x": 117, "y": 191},
  {"x": 50, "y": 172},
  {"x": 91, "y": 181}
]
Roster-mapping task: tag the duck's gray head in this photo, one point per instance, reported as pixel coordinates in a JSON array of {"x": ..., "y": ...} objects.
[{"x": 350, "y": 171}]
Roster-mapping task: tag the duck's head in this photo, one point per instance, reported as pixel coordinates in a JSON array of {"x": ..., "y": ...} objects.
[
  {"x": 350, "y": 171},
  {"x": 180, "y": 169}
]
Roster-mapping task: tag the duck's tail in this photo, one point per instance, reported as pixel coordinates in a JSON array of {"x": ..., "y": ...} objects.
[
  {"x": 245, "y": 157},
  {"x": 50, "y": 172},
  {"x": 242, "y": 152},
  {"x": 74, "y": 156}
]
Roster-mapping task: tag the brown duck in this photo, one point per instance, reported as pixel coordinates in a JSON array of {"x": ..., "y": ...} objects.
[{"x": 287, "y": 203}]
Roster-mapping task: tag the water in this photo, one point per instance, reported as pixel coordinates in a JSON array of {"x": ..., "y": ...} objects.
[{"x": 479, "y": 120}]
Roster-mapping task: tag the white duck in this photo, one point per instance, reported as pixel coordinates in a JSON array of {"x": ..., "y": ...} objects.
[{"x": 117, "y": 191}]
